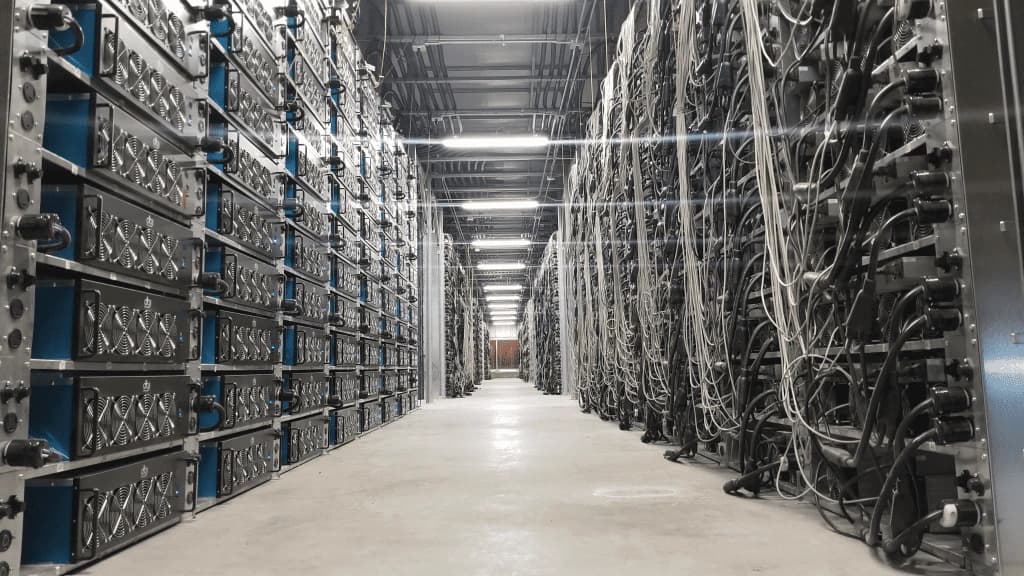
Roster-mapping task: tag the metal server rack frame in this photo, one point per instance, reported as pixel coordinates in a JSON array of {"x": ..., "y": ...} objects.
[{"x": 197, "y": 142}]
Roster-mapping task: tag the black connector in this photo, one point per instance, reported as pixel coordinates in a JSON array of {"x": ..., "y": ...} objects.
[
  {"x": 960, "y": 514},
  {"x": 953, "y": 430},
  {"x": 930, "y": 183},
  {"x": 949, "y": 400},
  {"x": 944, "y": 319},
  {"x": 919, "y": 81},
  {"x": 932, "y": 211},
  {"x": 291, "y": 307},
  {"x": 941, "y": 290},
  {"x": 923, "y": 107}
]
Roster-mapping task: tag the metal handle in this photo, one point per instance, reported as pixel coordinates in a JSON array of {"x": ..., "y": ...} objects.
[
  {"x": 194, "y": 461},
  {"x": 229, "y": 422},
  {"x": 239, "y": 30},
  {"x": 97, "y": 299},
  {"x": 228, "y": 256},
  {"x": 300, "y": 152},
  {"x": 95, "y": 421},
  {"x": 204, "y": 37},
  {"x": 195, "y": 354},
  {"x": 231, "y": 335},
  {"x": 228, "y": 193},
  {"x": 227, "y": 86},
  {"x": 117, "y": 41},
  {"x": 201, "y": 204},
  {"x": 110, "y": 143},
  {"x": 96, "y": 208},
  {"x": 94, "y": 543},
  {"x": 231, "y": 477}
]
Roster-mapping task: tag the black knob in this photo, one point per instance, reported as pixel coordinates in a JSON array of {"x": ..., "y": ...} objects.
[
  {"x": 49, "y": 16},
  {"x": 960, "y": 369},
  {"x": 22, "y": 278},
  {"x": 334, "y": 401},
  {"x": 32, "y": 65},
  {"x": 26, "y": 452},
  {"x": 29, "y": 170},
  {"x": 970, "y": 482},
  {"x": 287, "y": 396},
  {"x": 11, "y": 507},
  {"x": 21, "y": 392},
  {"x": 949, "y": 261}
]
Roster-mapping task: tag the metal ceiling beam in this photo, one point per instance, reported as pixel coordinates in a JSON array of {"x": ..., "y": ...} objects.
[
  {"x": 520, "y": 174},
  {"x": 492, "y": 112},
  {"x": 490, "y": 158},
  {"x": 499, "y": 40},
  {"x": 481, "y": 79}
]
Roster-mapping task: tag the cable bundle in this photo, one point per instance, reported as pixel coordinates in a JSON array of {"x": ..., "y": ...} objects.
[
  {"x": 545, "y": 322},
  {"x": 756, "y": 270}
]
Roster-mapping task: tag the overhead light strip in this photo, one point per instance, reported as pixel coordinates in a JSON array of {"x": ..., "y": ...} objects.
[
  {"x": 501, "y": 266},
  {"x": 501, "y": 243},
  {"x": 497, "y": 205},
  {"x": 494, "y": 142},
  {"x": 502, "y": 287}
]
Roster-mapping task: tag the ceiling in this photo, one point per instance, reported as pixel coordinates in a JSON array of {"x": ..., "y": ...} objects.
[{"x": 486, "y": 68}]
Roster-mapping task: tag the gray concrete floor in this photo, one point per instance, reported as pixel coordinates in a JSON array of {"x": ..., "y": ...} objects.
[{"x": 505, "y": 482}]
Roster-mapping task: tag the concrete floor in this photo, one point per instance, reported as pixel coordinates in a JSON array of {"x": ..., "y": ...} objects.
[{"x": 506, "y": 482}]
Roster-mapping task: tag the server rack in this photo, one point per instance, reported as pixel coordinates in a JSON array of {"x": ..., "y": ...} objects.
[
  {"x": 197, "y": 227},
  {"x": 885, "y": 166}
]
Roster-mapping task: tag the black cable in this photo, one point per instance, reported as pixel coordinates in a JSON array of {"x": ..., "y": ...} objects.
[
  {"x": 873, "y": 536},
  {"x": 78, "y": 42}
]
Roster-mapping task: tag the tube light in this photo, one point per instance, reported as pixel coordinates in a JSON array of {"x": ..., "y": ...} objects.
[
  {"x": 489, "y": 142},
  {"x": 500, "y": 243},
  {"x": 506, "y": 297},
  {"x": 501, "y": 306},
  {"x": 501, "y": 266},
  {"x": 502, "y": 287},
  {"x": 501, "y": 205},
  {"x": 503, "y": 323},
  {"x": 505, "y": 317}
]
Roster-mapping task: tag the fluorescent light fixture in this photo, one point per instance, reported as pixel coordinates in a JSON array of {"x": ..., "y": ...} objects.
[
  {"x": 496, "y": 205},
  {"x": 501, "y": 306},
  {"x": 501, "y": 266},
  {"x": 505, "y": 317},
  {"x": 503, "y": 287},
  {"x": 503, "y": 323},
  {"x": 500, "y": 243},
  {"x": 489, "y": 142},
  {"x": 505, "y": 297}
]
